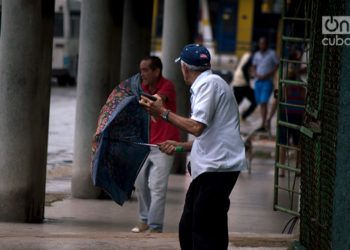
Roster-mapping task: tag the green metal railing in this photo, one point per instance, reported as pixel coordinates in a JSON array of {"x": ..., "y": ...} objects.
[
  {"x": 311, "y": 178},
  {"x": 291, "y": 38}
]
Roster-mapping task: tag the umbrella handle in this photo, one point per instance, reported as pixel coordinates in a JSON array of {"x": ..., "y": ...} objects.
[{"x": 179, "y": 149}]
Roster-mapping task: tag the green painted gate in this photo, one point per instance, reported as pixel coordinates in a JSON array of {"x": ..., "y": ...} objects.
[{"x": 311, "y": 164}]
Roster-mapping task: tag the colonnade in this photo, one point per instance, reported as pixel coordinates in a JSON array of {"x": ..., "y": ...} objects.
[{"x": 114, "y": 36}]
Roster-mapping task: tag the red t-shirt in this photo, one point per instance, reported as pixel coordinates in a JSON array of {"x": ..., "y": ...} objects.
[{"x": 162, "y": 130}]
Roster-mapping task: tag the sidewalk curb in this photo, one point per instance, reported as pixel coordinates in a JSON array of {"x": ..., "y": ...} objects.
[{"x": 261, "y": 240}]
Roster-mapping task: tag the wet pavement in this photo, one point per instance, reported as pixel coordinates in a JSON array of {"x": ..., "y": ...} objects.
[
  {"x": 102, "y": 224},
  {"x": 61, "y": 127}
]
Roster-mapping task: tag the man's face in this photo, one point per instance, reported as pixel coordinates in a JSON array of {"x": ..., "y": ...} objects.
[
  {"x": 262, "y": 44},
  {"x": 149, "y": 76}
]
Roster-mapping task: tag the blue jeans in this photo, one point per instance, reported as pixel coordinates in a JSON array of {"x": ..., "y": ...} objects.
[{"x": 151, "y": 185}]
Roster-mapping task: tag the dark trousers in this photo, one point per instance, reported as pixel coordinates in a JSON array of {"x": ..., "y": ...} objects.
[
  {"x": 203, "y": 223},
  {"x": 245, "y": 92}
]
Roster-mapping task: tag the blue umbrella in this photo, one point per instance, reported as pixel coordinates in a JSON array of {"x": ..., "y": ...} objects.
[{"x": 118, "y": 145}]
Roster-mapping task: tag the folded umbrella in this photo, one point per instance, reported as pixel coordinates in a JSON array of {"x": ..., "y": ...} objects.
[{"x": 118, "y": 152}]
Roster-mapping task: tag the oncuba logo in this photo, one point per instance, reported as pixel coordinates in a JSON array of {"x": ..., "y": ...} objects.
[{"x": 335, "y": 25}]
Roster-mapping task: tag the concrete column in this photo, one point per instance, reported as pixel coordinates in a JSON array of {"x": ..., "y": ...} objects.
[
  {"x": 176, "y": 35},
  {"x": 25, "y": 68},
  {"x": 136, "y": 40},
  {"x": 117, "y": 12},
  {"x": 94, "y": 82}
]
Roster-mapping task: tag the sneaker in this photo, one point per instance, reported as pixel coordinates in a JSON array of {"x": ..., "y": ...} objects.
[
  {"x": 141, "y": 227},
  {"x": 155, "y": 230}
]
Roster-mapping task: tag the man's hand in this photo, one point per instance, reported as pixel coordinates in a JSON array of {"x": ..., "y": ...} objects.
[
  {"x": 168, "y": 147},
  {"x": 154, "y": 108}
]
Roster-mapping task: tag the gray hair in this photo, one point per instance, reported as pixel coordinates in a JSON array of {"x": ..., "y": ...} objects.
[{"x": 195, "y": 68}]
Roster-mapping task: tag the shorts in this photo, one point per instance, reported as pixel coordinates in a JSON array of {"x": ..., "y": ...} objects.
[{"x": 262, "y": 91}]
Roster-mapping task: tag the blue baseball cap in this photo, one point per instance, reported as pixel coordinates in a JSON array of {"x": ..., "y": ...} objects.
[{"x": 196, "y": 55}]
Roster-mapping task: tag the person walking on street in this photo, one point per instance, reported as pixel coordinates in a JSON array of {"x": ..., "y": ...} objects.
[
  {"x": 152, "y": 181},
  {"x": 217, "y": 152},
  {"x": 265, "y": 64},
  {"x": 241, "y": 84}
]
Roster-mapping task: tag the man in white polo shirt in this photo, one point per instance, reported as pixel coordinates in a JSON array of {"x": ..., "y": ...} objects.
[{"x": 217, "y": 152}]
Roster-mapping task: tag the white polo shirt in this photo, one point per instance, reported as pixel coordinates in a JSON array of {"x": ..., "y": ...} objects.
[{"x": 220, "y": 147}]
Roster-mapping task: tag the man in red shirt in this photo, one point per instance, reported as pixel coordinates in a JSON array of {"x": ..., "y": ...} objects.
[{"x": 152, "y": 181}]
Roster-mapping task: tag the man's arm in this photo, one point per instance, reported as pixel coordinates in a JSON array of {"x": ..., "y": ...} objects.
[
  {"x": 170, "y": 147},
  {"x": 247, "y": 69},
  {"x": 156, "y": 108},
  {"x": 186, "y": 124}
]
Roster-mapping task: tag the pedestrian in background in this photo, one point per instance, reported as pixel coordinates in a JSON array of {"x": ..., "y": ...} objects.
[
  {"x": 217, "y": 152},
  {"x": 152, "y": 181},
  {"x": 265, "y": 64},
  {"x": 241, "y": 84}
]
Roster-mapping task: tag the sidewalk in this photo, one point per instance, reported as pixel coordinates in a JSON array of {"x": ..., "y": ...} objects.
[
  {"x": 102, "y": 224},
  {"x": 122, "y": 241}
]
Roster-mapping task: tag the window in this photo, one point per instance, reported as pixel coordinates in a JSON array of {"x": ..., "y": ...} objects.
[
  {"x": 58, "y": 28},
  {"x": 74, "y": 24}
]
